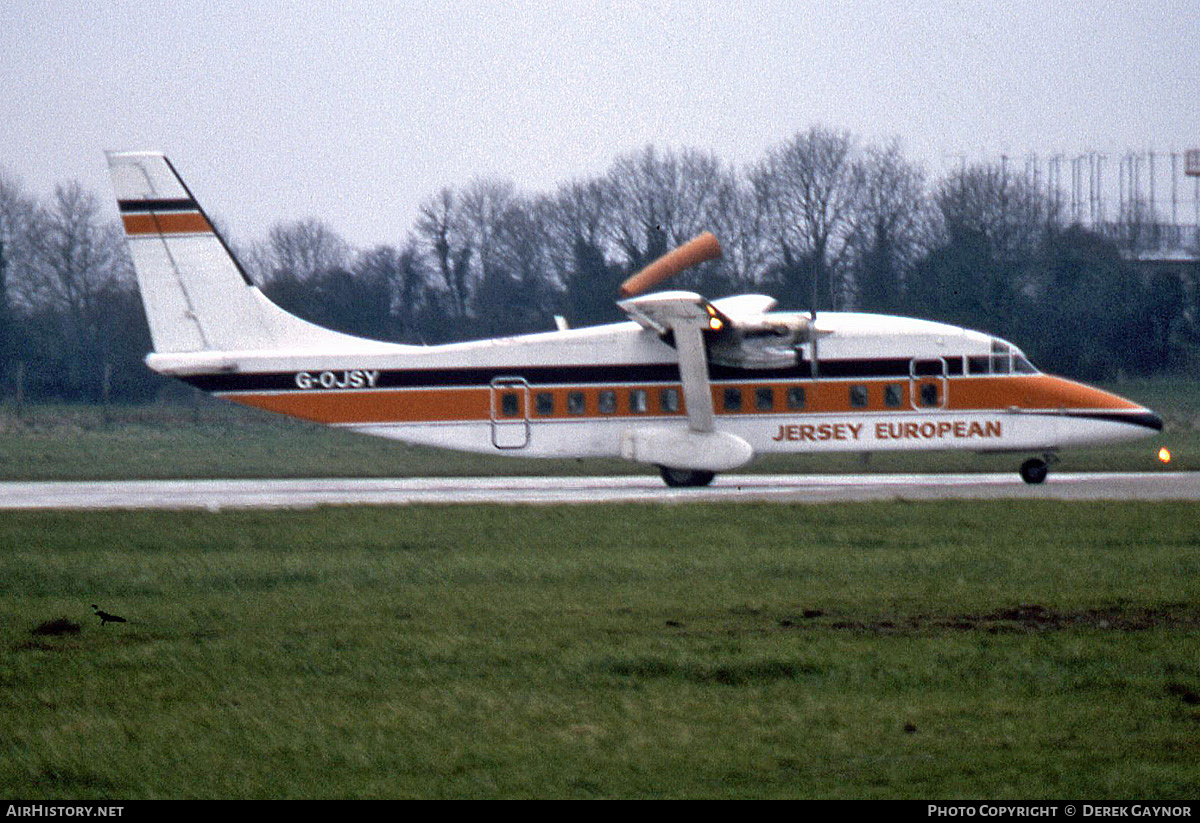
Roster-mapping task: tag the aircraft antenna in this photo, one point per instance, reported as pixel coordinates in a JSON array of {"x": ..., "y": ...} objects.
[{"x": 812, "y": 320}]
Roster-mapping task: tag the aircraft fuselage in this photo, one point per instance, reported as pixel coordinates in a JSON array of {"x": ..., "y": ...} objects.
[{"x": 881, "y": 383}]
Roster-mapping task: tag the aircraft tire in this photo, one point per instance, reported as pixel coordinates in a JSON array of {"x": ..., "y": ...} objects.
[
  {"x": 680, "y": 478},
  {"x": 1034, "y": 470}
]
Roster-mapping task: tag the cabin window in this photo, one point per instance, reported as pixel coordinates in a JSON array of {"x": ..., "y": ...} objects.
[
  {"x": 608, "y": 402},
  {"x": 929, "y": 395},
  {"x": 733, "y": 399},
  {"x": 668, "y": 400},
  {"x": 764, "y": 399},
  {"x": 638, "y": 403},
  {"x": 929, "y": 368},
  {"x": 979, "y": 365},
  {"x": 575, "y": 403},
  {"x": 893, "y": 395},
  {"x": 858, "y": 397},
  {"x": 796, "y": 397},
  {"x": 544, "y": 403},
  {"x": 510, "y": 404}
]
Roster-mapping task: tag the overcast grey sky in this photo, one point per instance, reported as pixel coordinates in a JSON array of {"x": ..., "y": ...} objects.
[{"x": 356, "y": 112}]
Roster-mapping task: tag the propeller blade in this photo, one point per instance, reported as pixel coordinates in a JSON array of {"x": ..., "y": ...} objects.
[{"x": 692, "y": 253}]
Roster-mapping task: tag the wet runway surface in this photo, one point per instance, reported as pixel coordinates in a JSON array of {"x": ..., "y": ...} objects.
[{"x": 306, "y": 493}]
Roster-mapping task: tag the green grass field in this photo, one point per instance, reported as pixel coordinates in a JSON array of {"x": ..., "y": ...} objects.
[
  {"x": 994, "y": 650},
  {"x": 218, "y": 439},
  {"x": 1007, "y": 650}
]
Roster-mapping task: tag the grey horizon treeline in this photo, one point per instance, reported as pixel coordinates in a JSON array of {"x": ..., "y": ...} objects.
[{"x": 822, "y": 220}]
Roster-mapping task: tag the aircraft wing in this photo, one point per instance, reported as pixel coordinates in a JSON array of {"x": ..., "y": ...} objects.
[
  {"x": 660, "y": 310},
  {"x": 745, "y": 308},
  {"x": 738, "y": 330}
]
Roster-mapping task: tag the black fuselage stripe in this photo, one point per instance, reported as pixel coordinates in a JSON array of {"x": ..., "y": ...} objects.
[
  {"x": 1137, "y": 418},
  {"x": 443, "y": 378},
  {"x": 553, "y": 375}
]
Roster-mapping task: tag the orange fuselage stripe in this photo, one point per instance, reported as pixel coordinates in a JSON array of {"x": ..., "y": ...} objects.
[{"x": 441, "y": 405}]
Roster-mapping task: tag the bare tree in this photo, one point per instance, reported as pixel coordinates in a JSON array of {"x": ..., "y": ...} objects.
[
  {"x": 17, "y": 213},
  {"x": 894, "y": 214},
  {"x": 738, "y": 219},
  {"x": 987, "y": 260},
  {"x": 75, "y": 255},
  {"x": 484, "y": 206},
  {"x": 408, "y": 278},
  {"x": 579, "y": 212},
  {"x": 16, "y": 217},
  {"x": 303, "y": 248},
  {"x": 577, "y": 223},
  {"x": 523, "y": 252},
  {"x": 1004, "y": 210},
  {"x": 811, "y": 189},
  {"x": 76, "y": 289},
  {"x": 661, "y": 200},
  {"x": 440, "y": 227}
]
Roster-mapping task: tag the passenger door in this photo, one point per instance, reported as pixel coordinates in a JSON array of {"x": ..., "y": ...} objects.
[
  {"x": 929, "y": 384},
  {"x": 510, "y": 413}
]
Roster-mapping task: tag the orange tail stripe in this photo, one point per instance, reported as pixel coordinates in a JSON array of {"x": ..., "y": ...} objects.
[{"x": 180, "y": 223}]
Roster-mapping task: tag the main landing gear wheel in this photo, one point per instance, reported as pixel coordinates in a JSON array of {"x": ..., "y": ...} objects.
[
  {"x": 685, "y": 477},
  {"x": 1034, "y": 470}
]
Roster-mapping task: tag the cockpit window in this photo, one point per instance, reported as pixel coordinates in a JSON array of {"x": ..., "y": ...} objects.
[
  {"x": 1001, "y": 358},
  {"x": 1004, "y": 359}
]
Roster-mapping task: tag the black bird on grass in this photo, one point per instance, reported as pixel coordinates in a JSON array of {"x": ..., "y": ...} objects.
[{"x": 106, "y": 618}]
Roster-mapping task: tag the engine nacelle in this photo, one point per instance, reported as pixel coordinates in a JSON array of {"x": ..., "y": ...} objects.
[
  {"x": 760, "y": 351},
  {"x": 769, "y": 343}
]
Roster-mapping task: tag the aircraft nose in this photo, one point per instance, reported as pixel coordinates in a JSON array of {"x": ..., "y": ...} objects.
[{"x": 1140, "y": 417}]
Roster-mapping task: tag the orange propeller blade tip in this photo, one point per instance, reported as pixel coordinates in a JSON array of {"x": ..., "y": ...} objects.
[{"x": 698, "y": 250}]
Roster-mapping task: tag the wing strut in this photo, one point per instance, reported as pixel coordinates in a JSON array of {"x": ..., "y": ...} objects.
[
  {"x": 684, "y": 316},
  {"x": 693, "y": 369}
]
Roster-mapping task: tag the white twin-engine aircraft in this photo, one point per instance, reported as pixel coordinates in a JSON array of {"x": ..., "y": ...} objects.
[{"x": 691, "y": 386}]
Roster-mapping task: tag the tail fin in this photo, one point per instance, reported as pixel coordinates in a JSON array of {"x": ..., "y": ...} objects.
[{"x": 196, "y": 295}]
